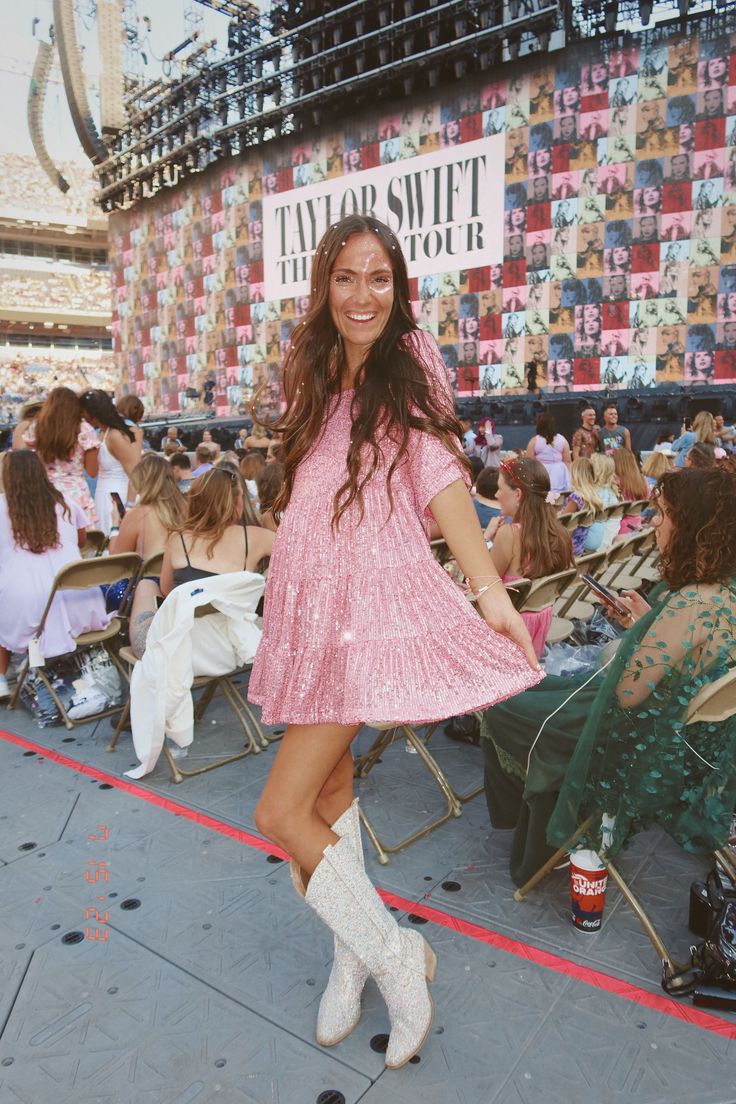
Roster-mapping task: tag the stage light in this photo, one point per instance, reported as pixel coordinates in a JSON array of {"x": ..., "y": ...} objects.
[
  {"x": 645, "y": 11},
  {"x": 611, "y": 16}
]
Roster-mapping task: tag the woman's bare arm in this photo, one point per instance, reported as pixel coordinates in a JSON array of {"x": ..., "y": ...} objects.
[
  {"x": 127, "y": 539},
  {"x": 91, "y": 462}
]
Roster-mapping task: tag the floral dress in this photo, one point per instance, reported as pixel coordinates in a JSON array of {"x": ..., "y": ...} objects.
[{"x": 69, "y": 476}]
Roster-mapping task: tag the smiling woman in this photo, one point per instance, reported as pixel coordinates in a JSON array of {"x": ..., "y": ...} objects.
[{"x": 372, "y": 458}]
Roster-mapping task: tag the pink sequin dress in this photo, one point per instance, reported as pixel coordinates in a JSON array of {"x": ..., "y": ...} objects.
[{"x": 363, "y": 624}]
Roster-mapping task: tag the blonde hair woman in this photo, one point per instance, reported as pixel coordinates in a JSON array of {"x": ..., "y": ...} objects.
[
  {"x": 604, "y": 475},
  {"x": 159, "y": 509},
  {"x": 703, "y": 429},
  {"x": 654, "y": 467},
  {"x": 584, "y": 496}
]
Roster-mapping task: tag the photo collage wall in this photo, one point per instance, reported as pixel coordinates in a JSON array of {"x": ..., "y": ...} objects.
[{"x": 619, "y": 265}]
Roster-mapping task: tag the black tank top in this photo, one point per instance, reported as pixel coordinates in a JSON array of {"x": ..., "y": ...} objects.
[{"x": 190, "y": 574}]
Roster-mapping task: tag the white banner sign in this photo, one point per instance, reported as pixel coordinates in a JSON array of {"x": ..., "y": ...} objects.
[{"x": 446, "y": 208}]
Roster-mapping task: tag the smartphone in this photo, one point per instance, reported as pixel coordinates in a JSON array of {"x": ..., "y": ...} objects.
[
  {"x": 118, "y": 502},
  {"x": 608, "y": 595}
]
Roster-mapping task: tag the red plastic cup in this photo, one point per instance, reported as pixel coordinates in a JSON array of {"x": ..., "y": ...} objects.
[{"x": 588, "y": 878}]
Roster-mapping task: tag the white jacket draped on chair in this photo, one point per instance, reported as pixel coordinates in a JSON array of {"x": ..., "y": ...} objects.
[{"x": 180, "y": 648}]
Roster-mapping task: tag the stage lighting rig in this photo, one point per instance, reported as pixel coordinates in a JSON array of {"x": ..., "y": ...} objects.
[
  {"x": 587, "y": 19},
  {"x": 294, "y": 71}
]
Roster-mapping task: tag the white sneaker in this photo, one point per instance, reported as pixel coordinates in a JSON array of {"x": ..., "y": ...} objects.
[{"x": 4, "y": 688}]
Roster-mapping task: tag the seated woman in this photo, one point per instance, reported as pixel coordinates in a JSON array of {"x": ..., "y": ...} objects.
[
  {"x": 632, "y": 486},
  {"x": 40, "y": 532},
  {"x": 564, "y": 751},
  {"x": 535, "y": 544},
  {"x": 584, "y": 496},
  {"x": 484, "y": 499},
  {"x": 159, "y": 509},
  {"x": 654, "y": 467},
  {"x": 213, "y": 538},
  {"x": 606, "y": 485}
]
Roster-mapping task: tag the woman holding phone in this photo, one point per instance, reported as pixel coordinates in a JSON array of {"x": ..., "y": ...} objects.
[
  {"x": 121, "y": 446},
  {"x": 613, "y": 742}
]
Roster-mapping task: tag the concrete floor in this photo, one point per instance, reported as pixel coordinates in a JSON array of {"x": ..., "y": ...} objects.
[{"x": 204, "y": 982}]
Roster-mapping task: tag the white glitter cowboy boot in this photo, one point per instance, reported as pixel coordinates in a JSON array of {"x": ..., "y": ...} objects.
[
  {"x": 400, "y": 960},
  {"x": 339, "y": 1009}
]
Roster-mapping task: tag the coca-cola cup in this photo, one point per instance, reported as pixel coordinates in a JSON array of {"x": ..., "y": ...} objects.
[{"x": 588, "y": 878}]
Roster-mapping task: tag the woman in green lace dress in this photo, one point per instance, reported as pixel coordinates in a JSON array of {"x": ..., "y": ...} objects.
[{"x": 620, "y": 747}]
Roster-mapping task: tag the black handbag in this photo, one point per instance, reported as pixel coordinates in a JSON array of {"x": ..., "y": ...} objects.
[{"x": 713, "y": 961}]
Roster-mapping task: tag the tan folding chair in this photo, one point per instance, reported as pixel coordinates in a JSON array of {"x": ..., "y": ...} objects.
[
  {"x": 571, "y": 521},
  {"x": 518, "y": 591},
  {"x": 715, "y": 703},
  {"x": 256, "y": 738},
  {"x": 387, "y": 734},
  {"x": 545, "y": 592},
  {"x": 643, "y": 565},
  {"x": 638, "y": 506},
  {"x": 620, "y": 555},
  {"x": 84, "y": 575},
  {"x": 440, "y": 551},
  {"x": 150, "y": 566},
  {"x": 609, "y": 513},
  {"x": 572, "y": 606},
  {"x": 94, "y": 545}
]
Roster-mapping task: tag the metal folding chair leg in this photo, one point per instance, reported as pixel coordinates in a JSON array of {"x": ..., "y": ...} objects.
[
  {"x": 653, "y": 935},
  {"x": 237, "y": 705},
  {"x": 22, "y": 674},
  {"x": 365, "y": 764},
  {"x": 119, "y": 726},
  {"x": 205, "y": 699},
  {"x": 551, "y": 863},
  {"x": 627, "y": 893}
]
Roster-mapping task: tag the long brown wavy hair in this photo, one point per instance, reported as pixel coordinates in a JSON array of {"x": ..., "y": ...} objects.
[
  {"x": 211, "y": 506},
  {"x": 546, "y": 546},
  {"x": 57, "y": 425},
  {"x": 393, "y": 390},
  {"x": 702, "y": 508},
  {"x": 32, "y": 500}
]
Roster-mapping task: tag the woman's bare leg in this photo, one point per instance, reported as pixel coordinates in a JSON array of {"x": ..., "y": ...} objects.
[
  {"x": 287, "y": 812},
  {"x": 337, "y": 793}
]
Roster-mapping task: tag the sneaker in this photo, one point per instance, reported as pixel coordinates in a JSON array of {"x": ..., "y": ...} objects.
[{"x": 4, "y": 688}]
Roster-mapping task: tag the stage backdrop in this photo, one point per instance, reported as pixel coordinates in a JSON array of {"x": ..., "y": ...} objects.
[{"x": 572, "y": 226}]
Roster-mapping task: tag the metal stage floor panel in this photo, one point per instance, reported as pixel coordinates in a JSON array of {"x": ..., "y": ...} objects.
[{"x": 207, "y": 985}]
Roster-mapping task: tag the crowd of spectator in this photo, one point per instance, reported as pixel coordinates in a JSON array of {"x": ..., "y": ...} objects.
[
  {"x": 25, "y": 186},
  {"x": 27, "y": 375},
  {"x": 71, "y": 439},
  {"x": 85, "y": 290}
]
